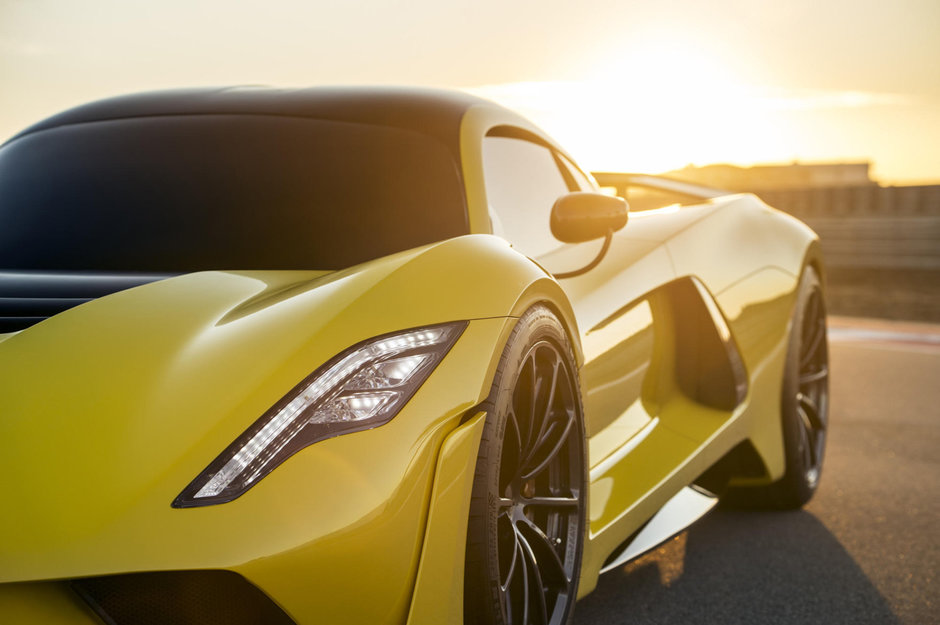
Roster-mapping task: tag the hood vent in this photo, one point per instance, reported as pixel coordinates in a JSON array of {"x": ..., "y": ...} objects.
[{"x": 28, "y": 297}]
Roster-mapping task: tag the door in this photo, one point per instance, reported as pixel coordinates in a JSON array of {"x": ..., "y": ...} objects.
[{"x": 615, "y": 306}]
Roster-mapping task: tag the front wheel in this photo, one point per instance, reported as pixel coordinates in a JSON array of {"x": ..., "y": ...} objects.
[{"x": 527, "y": 513}]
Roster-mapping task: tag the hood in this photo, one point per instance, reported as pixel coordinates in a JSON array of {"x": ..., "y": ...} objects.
[{"x": 118, "y": 403}]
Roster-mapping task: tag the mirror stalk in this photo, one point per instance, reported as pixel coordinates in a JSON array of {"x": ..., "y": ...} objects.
[{"x": 591, "y": 265}]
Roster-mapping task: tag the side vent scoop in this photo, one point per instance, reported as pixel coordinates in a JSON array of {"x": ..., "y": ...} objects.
[{"x": 30, "y": 296}]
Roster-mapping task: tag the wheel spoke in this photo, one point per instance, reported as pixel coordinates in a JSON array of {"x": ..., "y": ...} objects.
[
  {"x": 545, "y": 433},
  {"x": 552, "y": 502},
  {"x": 814, "y": 376},
  {"x": 531, "y": 562},
  {"x": 506, "y": 547},
  {"x": 553, "y": 567},
  {"x": 521, "y": 405},
  {"x": 511, "y": 589},
  {"x": 810, "y": 436},
  {"x": 509, "y": 605},
  {"x": 504, "y": 584},
  {"x": 536, "y": 446},
  {"x": 809, "y": 353},
  {"x": 551, "y": 394},
  {"x": 813, "y": 454},
  {"x": 805, "y": 422},
  {"x": 514, "y": 421},
  {"x": 805, "y": 445},
  {"x": 812, "y": 308},
  {"x": 810, "y": 454},
  {"x": 535, "y": 383},
  {"x": 510, "y": 463},
  {"x": 545, "y": 422},
  {"x": 552, "y": 454},
  {"x": 525, "y": 591},
  {"x": 811, "y": 411}
]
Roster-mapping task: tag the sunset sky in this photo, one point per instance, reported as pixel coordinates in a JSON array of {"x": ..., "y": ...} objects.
[{"x": 625, "y": 85}]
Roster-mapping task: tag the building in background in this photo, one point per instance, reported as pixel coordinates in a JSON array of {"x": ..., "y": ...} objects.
[{"x": 791, "y": 176}]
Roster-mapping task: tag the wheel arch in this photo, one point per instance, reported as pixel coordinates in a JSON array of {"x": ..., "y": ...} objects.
[
  {"x": 546, "y": 292},
  {"x": 813, "y": 258},
  {"x": 758, "y": 459}
]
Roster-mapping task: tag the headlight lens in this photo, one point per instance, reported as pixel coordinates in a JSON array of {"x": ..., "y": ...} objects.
[{"x": 361, "y": 388}]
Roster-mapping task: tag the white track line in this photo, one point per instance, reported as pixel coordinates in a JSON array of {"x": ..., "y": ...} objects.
[{"x": 865, "y": 334}]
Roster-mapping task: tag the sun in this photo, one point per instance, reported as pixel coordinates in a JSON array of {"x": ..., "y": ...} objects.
[
  {"x": 672, "y": 101},
  {"x": 653, "y": 105}
]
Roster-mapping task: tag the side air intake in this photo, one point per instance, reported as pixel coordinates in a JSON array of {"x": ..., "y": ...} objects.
[{"x": 179, "y": 598}]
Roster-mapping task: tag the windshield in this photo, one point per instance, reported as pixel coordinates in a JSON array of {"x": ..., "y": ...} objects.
[{"x": 192, "y": 192}]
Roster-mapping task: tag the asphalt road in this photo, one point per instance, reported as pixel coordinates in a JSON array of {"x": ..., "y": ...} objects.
[{"x": 866, "y": 549}]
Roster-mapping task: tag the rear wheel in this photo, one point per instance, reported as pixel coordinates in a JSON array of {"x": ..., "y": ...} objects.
[
  {"x": 527, "y": 514},
  {"x": 804, "y": 405}
]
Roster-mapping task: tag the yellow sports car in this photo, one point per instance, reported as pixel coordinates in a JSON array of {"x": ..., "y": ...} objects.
[{"x": 344, "y": 355}]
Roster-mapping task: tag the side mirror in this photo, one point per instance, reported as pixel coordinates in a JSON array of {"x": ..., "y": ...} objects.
[{"x": 580, "y": 216}]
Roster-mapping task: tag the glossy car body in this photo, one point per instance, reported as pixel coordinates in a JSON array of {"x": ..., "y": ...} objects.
[{"x": 110, "y": 408}]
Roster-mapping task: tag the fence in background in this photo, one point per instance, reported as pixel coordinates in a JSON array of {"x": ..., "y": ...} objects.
[{"x": 881, "y": 245}]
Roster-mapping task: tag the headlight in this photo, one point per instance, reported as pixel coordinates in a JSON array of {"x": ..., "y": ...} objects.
[{"x": 361, "y": 388}]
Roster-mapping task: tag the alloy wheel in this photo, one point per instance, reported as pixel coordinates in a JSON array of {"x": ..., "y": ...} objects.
[
  {"x": 813, "y": 387},
  {"x": 540, "y": 488}
]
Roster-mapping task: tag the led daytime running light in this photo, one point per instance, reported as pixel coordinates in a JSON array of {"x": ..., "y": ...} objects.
[{"x": 362, "y": 388}]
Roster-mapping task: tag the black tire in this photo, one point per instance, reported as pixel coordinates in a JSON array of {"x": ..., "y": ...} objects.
[
  {"x": 804, "y": 406},
  {"x": 527, "y": 513}
]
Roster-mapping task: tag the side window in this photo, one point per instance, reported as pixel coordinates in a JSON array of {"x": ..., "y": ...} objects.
[
  {"x": 522, "y": 183},
  {"x": 581, "y": 180}
]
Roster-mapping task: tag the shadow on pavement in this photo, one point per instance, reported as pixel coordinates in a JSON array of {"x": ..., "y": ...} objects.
[{"x": 740, "y": 567}]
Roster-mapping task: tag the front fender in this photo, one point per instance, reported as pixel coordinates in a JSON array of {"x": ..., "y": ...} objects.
[{"x": 112, "y": 407}]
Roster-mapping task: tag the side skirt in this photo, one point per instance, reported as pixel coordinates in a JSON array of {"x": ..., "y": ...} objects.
[{"x": 685, "y": 508}]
